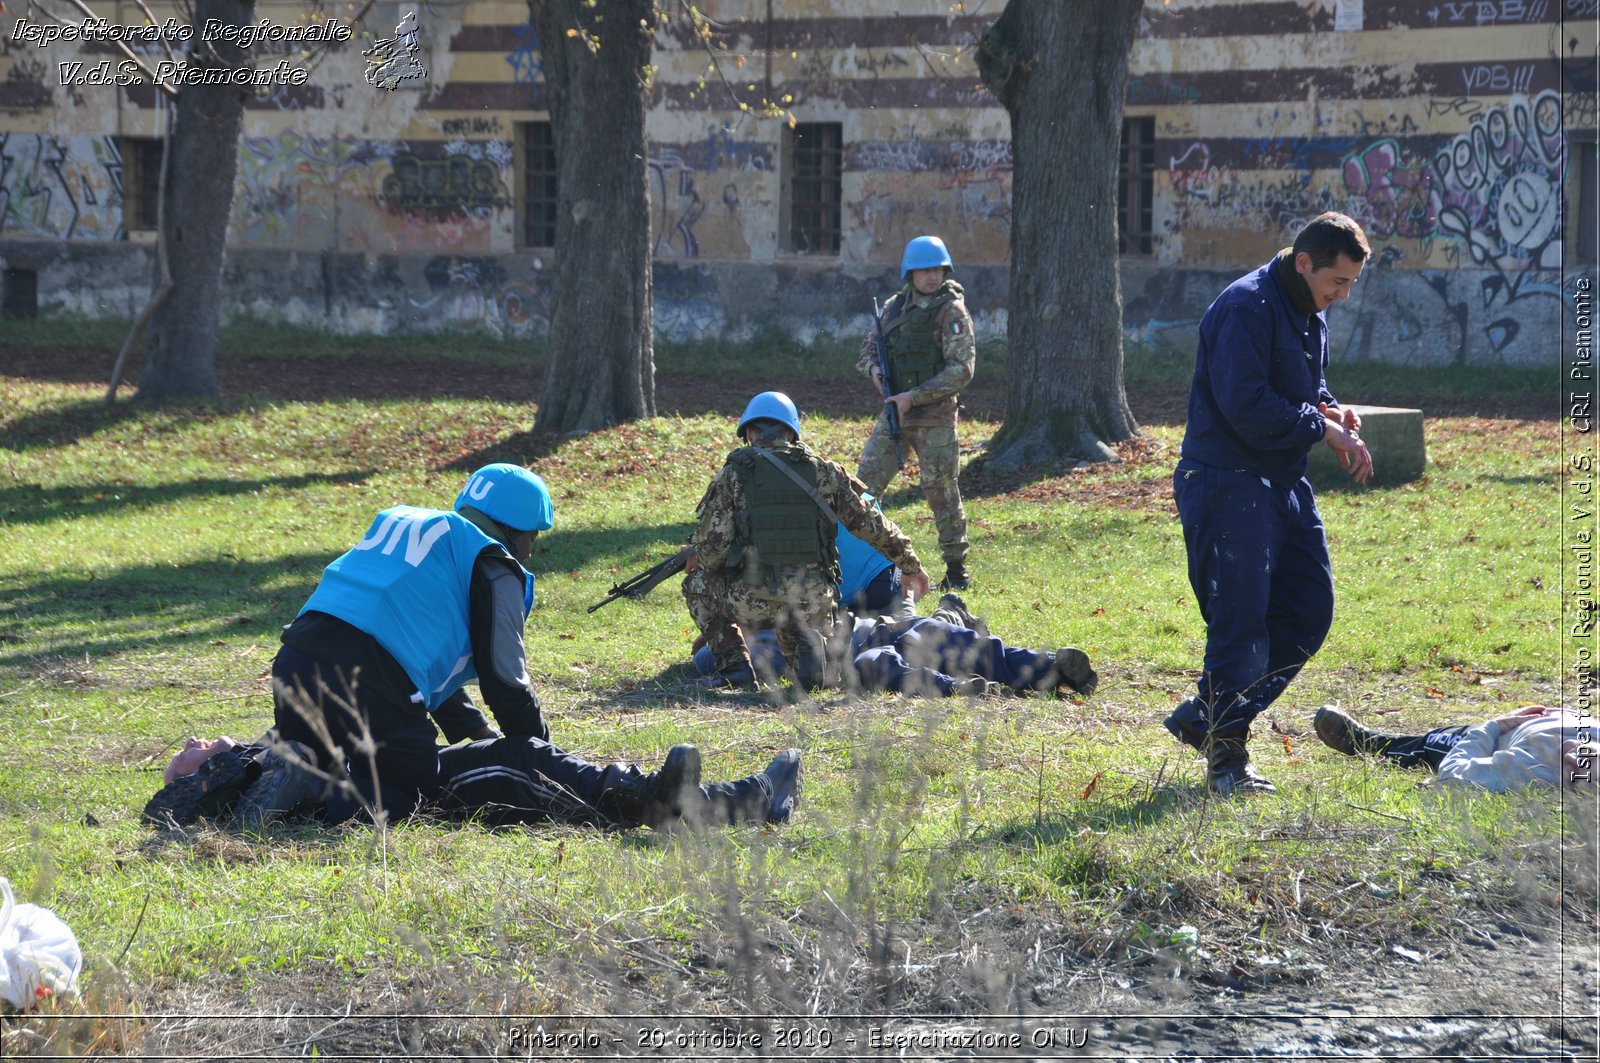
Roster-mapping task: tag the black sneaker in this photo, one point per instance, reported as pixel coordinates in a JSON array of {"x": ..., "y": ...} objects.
[
  {"x": 1228, "y": 772},
  {"x": 783, "y": 779},
  {"x": 286, "y": 786},
  {"x": 1073, "y": 672},
  {"x": 207, "y": 793},
  {"x": 955, "y": 577}
]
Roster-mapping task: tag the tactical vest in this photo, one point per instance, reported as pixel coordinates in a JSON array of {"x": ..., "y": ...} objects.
[
  {"x": 781, "y": 524},
  {"x": 916, "y": 350},
  {"x": 407, "y": 583}
]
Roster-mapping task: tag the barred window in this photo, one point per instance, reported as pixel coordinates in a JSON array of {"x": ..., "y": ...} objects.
[
  {"x": 1136, "y": 169},
  {"x": 816, "y": 153},
  {"x": 538, "y": 184},
  {"x": 141, "y": 182}
]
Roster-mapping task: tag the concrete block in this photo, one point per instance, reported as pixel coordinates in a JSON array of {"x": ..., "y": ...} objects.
[{"x": 1394, "y": 436}]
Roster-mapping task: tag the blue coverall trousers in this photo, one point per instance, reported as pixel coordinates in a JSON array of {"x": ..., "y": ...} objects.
[{"x": 1258, "y": 563}]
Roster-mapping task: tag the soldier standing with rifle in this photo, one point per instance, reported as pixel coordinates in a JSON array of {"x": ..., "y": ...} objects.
[
  {"x": 921, "y": 354},
  {"x": 764, "y": 552}
]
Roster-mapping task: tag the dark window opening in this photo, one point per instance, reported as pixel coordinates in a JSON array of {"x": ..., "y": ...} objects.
[
  {"x": 1588, "y": 174},
  {"x": 141, "y": 182},
  {"x": 1136, "y": 176},
  {"x": 538, "y": 185},
  {"x": 815, "y": 189},
  {"x": 21, "y": 293}
]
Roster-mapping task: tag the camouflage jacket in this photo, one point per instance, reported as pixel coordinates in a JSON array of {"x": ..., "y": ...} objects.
[
  {"x": 934, "y": 401},
  {"x": 723, "y": 505}
]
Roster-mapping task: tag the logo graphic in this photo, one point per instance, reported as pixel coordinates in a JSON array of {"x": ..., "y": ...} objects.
[{"x": 393, "y": 60}]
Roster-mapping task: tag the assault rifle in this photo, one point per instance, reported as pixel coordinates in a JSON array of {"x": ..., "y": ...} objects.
[
  {"x": 890, "y": 411},
  {"x": 637, "y": 587}
]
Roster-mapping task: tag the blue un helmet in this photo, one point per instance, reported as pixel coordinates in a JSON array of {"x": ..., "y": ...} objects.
[
  {"x": 510, "y": 496},
  {"x": 771, "y": 406},
  {"x": 924, "y": 252}
]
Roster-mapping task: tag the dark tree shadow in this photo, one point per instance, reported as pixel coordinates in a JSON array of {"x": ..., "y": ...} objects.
[{"x": 32, "y": 504}]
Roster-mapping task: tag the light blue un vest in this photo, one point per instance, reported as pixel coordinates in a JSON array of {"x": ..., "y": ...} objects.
[{"x": 407, "y": 584}]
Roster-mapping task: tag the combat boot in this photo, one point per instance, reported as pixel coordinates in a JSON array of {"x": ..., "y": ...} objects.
[
  {"x": 209, "y": 792},
  {"x": 1071, "y": 670},
  {"x": 1228, "y": 770},
  {"x": 955, "y": 611},
  {"x": 1186, "y": 723},
  {"x": 955, "y": 577},
  {"x": 767, "y": 797},
  {"x": 1340, "y": 731},
  {"x": 656, "y": 799}
]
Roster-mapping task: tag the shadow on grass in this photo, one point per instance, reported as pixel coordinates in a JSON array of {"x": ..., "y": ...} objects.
[
  {"x": 31, "y": 504},
  {"x": 159, "y": 605},
  {"x": 72, "y": 422}
]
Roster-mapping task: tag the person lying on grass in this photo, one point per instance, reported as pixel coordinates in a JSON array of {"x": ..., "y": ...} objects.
[
  {"x": 1534, "y": 746},
  {"x": 950, "y": 652},
  {"x": 515, "y": 779}
]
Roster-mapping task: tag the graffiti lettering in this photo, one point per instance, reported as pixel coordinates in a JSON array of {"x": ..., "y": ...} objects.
[
  {"x": 62, "y": 187},
  {"x": 473, "y": 293},
  {"x": 673, "y": 191},
  {"x": 443, "y": 186},
  {"x": 1490, "y": 12},
  {"x": 1502, "y": 137},
  {"x": 467, "y": 127},
  {"x": 526, "y": 68},
  {"x": 288, "y": 186},
  {"x": 1401, "y": 199},
  {"x": 1498, "y": 78},
  {"x": 1465, "y": 106}
]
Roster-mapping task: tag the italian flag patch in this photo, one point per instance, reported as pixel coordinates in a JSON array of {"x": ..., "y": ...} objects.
[{"x": 955, "y": 328}]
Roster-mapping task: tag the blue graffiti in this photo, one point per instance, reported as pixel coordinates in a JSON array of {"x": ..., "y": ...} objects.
[{"x": 524, "y": 58}]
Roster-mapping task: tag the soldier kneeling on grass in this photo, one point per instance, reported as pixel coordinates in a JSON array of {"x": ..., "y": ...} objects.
[
  {"x": 764, "y": 551},
  {"x": 519, "y": 779}
]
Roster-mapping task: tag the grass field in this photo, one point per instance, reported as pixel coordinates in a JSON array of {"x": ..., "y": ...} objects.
[{"x": 960, "y": 856}]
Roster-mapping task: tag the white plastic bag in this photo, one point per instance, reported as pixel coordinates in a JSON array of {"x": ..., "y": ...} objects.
[{"x": 39, "y": 956}]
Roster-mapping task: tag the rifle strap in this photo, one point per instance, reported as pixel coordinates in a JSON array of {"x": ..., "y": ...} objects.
[
  {"x": 899, "y": 301},
  {"x": 815, "y": 495}
]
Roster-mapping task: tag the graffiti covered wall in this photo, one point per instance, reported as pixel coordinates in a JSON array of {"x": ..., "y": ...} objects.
[{"x": 1456, "y": 132}]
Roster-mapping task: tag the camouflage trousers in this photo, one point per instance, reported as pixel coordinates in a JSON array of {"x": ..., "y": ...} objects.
[
  {"x": 801, "y": 608},
  {"x": 938, "y": 451}
]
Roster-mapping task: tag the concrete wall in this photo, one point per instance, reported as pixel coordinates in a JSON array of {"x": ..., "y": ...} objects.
[{"x": 1454, "y": 131}]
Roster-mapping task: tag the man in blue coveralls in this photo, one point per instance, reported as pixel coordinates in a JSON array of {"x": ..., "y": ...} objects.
[{"x": 1258, "y": 558}]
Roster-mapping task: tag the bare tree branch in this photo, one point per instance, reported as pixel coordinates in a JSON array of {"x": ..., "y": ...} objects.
[{"x": 122, "y": 46}]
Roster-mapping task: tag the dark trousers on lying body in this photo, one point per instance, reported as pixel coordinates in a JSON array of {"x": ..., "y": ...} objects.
[
  {"x": 1419, "y": 751},
  {"x": 527, "y": 780}
]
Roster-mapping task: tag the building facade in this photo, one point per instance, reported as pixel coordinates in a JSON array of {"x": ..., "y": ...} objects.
[{"x": 1461, "y": 135}]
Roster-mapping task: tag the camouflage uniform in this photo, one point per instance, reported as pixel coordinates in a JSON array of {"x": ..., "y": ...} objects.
[
  {"x": 797, "y": 600},
  {"x": 928, "y": 430}
]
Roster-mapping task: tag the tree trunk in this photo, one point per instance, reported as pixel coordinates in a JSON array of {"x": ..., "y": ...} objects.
[
  {"x": 1059, "y": 67},
  {"x": 601, "y": 368},
  {"x": 181, "y": 347}
]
